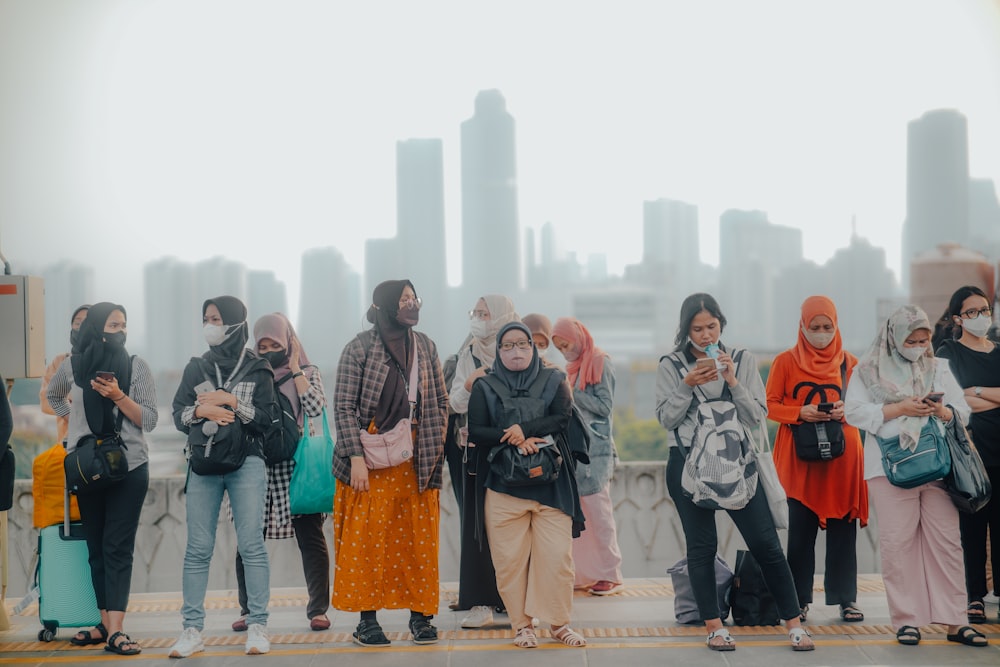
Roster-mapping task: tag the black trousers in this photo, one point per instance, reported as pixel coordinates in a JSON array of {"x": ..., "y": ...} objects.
[
  {"x": 973, "y": 528},
  {"x": 757, "y": 528},
  {"x": 453, "y": 455},
  {"x": 110, "y": 521},
  {"x": 315, "y": 565},
  {"x": 841, "y": 577}
]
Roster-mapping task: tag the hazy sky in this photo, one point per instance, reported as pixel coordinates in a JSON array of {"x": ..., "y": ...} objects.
[{"x": 130, "y": 130}]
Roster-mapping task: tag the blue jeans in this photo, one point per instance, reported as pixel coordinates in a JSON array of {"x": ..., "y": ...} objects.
[{"x": 247, "y": 489}]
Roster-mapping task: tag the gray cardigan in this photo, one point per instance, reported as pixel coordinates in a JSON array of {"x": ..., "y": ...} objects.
[{"x": 595, "y": 404}]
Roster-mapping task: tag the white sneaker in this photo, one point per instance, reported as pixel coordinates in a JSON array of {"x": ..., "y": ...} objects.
[
  {"x": 189, "y": 643},
  {"x": 479, "y": 617},
  {"x": 257, "y": 641}
]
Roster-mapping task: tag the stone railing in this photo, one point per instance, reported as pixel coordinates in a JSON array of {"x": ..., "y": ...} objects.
[{"x": 649, "y": 533}]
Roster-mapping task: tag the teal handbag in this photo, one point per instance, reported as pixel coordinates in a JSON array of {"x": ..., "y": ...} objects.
[
  {"x": 930, "y": 460},
  {"x": 313, "y": 484}
]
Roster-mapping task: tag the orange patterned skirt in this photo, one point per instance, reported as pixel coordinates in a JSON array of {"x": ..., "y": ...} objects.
[{"x": 386, "y": 544}]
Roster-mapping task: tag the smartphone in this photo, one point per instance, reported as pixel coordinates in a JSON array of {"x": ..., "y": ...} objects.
[
  {"x": 825, "y": 407},
  {"x": 204, "y": 387},
  {"x": 934, "y": 397},
  {"x": 705, "y": 363},
  {"x": 107, "y": 376}
]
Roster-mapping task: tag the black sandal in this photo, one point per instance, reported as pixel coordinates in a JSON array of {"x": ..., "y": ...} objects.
[
  {"x": 908, "y": 635},
  {"x": 851, "y": 614},
  {"x": 87, "y": 638},
  {"x": 969, "y": 636},
  {"x": 423, "y": 631},
  {"x": 119, "y": 646},
  {"x": 976, "y": 612},
  {"x": 369, "y": 633}
]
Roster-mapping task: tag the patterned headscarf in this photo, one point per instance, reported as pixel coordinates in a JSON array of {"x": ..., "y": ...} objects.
[
  {"x": 891, "y": 377},
  {"x": 501, "y": 312}
]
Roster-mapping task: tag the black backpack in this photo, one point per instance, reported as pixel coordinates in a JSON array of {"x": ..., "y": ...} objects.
[
  {"x": 283, "y": 440},
  {"x": 751, "y": 601}
]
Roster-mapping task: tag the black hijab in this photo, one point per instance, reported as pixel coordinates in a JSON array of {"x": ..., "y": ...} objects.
[
  {"x": 234, "y": 319},
  {"x": 394, "y": 403},
  {"x": 94, "y": 352},
  {"x": 516, "y": 381}
]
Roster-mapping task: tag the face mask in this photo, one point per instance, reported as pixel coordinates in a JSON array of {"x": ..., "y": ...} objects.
[
  {"x": 912, "y": 354},
  {"x": 408, "y": 316},
  {"x": 819, "y": 340},
  {"x": 479, "y": 328},
  {"x": 115, "y": 340},
  {"x": 276, "y": 358},
  {"x": 978, "y": 326},
  {"x": 698, "y": 347},
  {"x": 215, "y": 334},
  {"x": 74, "y": 336},
  {"x": 515, "y": 359},
  {"x": 570, "y": 354}
]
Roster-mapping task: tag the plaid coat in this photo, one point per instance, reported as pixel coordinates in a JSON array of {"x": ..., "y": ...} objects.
[{"x": 361, "y": 373}]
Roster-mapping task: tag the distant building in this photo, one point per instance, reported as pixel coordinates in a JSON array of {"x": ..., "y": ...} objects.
[
  {"x": 491, "y": 244},
  {"x": 219, "y": 276},
  {"x": 984, "y": 217},
  {"x": 173, "y": 314},
  {"x": 330, "y": 307},
  {"x": 937, "y": 184},
  {"x": 67, "y": 286},
  {"x": 670, "y": 237},
  {"x": 265, "y": 294},
  {"x": 623, "y": 321},
  {"x": 859, "y": 281},
  {"x": 937, "y": 273}
]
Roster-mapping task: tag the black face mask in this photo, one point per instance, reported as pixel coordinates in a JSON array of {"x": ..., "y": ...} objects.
[
  {"x": 276, "y": 358},
  {"x": 74, "y": 336},
  {"x": 408, "y": 316},
  {"x": 115, "y": 340}
]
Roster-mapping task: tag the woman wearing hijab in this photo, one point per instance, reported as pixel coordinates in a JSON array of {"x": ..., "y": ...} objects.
[
  {"x": 919, "y": 538},
  {"x": 301, "y": 383},
  {"x": 682, "y": 383},
  {"x": 596, "y": 556},
  {"x": 477, "y": 588},
  {"x": 206, "y": 395},
  {"x": 385, "y": 520},
  {"x": 98, "y": 407},
  {"x": 975, "y": 361},
  {"x": 530, "y": 528},
  {"x": 829, "y": 495},
  {"x": 62, "y": 423}
]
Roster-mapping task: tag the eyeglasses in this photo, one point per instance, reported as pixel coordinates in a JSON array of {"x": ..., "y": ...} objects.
[
  {"x": 414, "y": 302},
  {"x": 520, "y": 344},
  {"x": 479, "y": 314},
  {"x": 973, "y": 312}
]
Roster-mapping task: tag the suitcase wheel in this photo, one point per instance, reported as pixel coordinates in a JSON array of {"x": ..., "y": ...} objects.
[{"x": 46, "y": 635}]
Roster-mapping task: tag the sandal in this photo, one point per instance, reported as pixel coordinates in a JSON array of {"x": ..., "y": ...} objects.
[
  {"x": 86, "y": 637},
  {"x": 908, "y": 635},
  {"x": 969, "y": 636},
  {"x": 525, "y": 637},
  {"x": 728, "y": 643},
  {"x": 569, "y": 636},
  {"x": 797, "y": 635},
  {"x": 803, "y": 612},
  {"x": 120, "y": 647},
  {"x": 369, "y": 633},
  {"x": 851, "y": 614},
  {"x": 976, "y": 612},
  {"x": 422, "y": 630}
]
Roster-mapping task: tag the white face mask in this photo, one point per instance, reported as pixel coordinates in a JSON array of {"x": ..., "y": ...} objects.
[
  {"x": 818, "y": 339},
  {"x": 978, "y": 325},
  {"x": 912, "y": 354},
  {"x": 215, "y": 334},
  {"x": 479, "y": 328}
]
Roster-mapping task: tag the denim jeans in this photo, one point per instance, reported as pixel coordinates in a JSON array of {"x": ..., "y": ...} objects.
[{"x": 247, "y": 488}]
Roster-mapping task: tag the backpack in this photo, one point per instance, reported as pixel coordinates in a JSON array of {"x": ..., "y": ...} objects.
[
  {"x": 281, "y": 443},
  {"x": 751, "y": 601},
  {"x": 720, "y": 468},
  {"x": 214, "y": 449}
]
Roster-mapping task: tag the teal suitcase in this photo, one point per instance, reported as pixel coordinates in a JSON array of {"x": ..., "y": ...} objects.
[{"x": 65, "y": 591}]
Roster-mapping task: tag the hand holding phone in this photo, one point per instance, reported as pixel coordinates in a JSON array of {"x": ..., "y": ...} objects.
[
  {"x": 707, "y": 362},
  {"x": 825, "y": 407},
  {"x": 934, "y": 397},
  {"x": 107, "y": 376}
]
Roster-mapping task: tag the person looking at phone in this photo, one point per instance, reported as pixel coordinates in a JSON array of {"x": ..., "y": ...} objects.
[
  {"x": 805, "y": 387},
  {"x": 88, "y": 389},
  {"x": 919, "y": 539},
  {"x": 678, "y": 396},
  {"x": 975, "y": 361}
]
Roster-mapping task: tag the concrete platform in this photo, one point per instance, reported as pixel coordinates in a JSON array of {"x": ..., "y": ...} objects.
[{"x": 635, "y": 627}]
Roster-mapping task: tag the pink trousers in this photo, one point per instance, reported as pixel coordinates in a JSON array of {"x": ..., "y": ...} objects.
[
  {"x": 596, "y": 555},
  {"x": 922, "y": 564}
]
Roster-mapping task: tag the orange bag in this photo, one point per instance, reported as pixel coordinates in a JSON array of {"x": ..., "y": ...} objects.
[{"x": 48, "y": 484}]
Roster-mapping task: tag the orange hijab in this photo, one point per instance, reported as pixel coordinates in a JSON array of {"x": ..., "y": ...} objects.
[
  {"x": 588, "y": 367},
  {"x": 819, "y": 363}
]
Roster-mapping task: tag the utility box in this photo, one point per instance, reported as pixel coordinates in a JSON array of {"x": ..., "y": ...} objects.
[{"x": 22, "y": 327}]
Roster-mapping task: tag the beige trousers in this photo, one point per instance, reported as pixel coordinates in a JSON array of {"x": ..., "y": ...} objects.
[{"x": 532, "y": 548}]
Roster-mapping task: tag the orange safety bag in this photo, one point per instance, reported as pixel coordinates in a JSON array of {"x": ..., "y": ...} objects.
[{"x": 48, "y": 484}]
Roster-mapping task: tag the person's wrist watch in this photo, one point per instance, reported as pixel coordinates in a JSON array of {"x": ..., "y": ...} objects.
[{"x": 978, "y": 391}]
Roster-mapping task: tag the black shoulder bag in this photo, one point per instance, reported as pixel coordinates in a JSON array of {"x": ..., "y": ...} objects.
[{"x": 820, "y": 441}]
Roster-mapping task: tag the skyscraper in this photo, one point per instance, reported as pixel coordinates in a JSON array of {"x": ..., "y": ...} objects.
[
  {"x": 67, "y": 286},
  {"x": 173, "y": 314},
  {"x": 937, "y": 184},
  {"x": 330, "y": 309},
  {"x": 265, "y": 294},
  {"x": 491, "y": 247}
]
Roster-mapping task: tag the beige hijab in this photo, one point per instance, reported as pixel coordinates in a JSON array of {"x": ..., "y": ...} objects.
[{"x": 501, "y": 312}]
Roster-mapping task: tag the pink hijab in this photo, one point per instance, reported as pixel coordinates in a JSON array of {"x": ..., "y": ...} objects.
[
  {"x": 277, "y": 327},
  {"x": 588, "y": 367}
]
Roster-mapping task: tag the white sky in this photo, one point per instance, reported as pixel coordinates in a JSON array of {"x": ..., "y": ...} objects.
[{"x": 130, "y": 130}]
